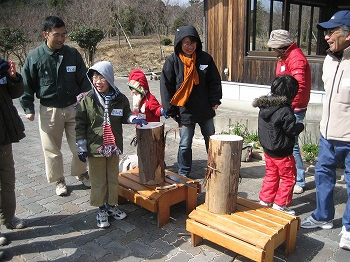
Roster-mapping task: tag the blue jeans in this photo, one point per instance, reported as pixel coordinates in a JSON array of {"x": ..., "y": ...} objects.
[
  {"x": 296, "y": 153},
  {"x": 331, "y": 154},
  {"x": 184, "y": 155}
]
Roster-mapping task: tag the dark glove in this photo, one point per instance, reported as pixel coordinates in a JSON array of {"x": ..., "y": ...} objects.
[
  {"x": 163, "y": 113},
  {"x": 4, "y": 66},
  {"x": 82, "y": 150},
  {"x": 82, "y": 156},
  {"x": 139, "y": 122}
]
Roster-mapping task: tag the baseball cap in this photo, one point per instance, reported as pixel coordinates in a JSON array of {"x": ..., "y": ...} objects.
[
  {"x": 338, "y": 19},
  {"x": 279, "y": 38}
]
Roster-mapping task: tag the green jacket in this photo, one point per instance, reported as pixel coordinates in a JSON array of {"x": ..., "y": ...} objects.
[
  {"x": 89, "y": 120},
  {"x": 56, "y": 77}
]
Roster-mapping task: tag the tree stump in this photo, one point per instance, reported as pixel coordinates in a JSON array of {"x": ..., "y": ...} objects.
[
  {"x": 150, "y": 152},
  {"x": 223, "y": 172}
]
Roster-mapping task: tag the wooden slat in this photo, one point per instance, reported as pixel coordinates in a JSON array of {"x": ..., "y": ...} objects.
[
  {"x": 132, "y": 196},
  {"x": 266, "y": 213},
  {"x": 263, "y": 221},
  {"x": 272, "y": 212},
  {"x": 140, "y": 189}
]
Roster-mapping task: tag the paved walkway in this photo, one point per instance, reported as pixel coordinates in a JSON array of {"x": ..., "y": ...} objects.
[{"x": 64, "y": 228}]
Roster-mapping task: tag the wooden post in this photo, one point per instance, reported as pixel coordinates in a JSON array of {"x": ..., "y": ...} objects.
[
  {"x": 150, "y": 152},
  {"x": 222, "y": 176}
]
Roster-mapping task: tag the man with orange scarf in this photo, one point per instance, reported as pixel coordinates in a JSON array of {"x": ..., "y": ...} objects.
[{"x": 190, "y": 88}]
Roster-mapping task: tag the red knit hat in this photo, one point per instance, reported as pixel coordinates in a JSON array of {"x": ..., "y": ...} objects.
[{"x": 138, "y": 81}]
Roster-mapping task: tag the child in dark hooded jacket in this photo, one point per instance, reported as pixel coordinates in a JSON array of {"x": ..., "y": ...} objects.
[{"x": 277, "y": 129}]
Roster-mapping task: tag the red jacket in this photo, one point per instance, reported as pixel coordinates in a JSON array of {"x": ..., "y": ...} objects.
[
  {"x": 149, "y": 108},
  {"x": 294, "y": 63}
]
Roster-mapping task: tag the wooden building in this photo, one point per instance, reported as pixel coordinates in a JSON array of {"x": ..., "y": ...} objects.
[{"x": 236, "y": 33}]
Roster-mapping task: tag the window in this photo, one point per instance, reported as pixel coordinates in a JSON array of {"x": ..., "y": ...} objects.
[{"x": 299, "y": 19}]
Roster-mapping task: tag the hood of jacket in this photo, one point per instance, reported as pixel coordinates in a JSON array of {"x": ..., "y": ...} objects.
[
  {"x": 184, "y": 31},
  {"x": 268, "y": 105},
  {"x": 105, "y": 69},
  {"x": 138, "y": 81}
]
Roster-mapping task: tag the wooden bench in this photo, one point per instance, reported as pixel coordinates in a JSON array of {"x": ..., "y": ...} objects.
[
  {"x": 252, "y": 230},
  {"x": 157, "y": 201}
]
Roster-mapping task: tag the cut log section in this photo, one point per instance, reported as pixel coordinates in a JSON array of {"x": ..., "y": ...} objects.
[
  {"x": 222, "y": 176},
  {"x": 150, "y": 152}
]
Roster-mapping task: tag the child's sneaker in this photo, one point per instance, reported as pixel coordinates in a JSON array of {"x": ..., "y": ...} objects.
[
  {"x": 265, "y": 204},
  {"x": 102, "y": 218},
  {"x": 283, "y": 209},
  {"x": 115, "y": 212},
  {"x": 345, "y": 239}
]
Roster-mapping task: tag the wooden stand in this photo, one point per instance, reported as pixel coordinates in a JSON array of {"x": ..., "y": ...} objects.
[
  {"x": 253, "y": 231},
  {"x": 157, "y": 201}
]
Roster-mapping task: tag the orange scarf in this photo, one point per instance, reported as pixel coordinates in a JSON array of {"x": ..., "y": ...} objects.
[{"x": 191, "y": 78}]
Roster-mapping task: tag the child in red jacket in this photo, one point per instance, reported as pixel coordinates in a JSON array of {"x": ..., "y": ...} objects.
[{"x": 145, "y": 105}]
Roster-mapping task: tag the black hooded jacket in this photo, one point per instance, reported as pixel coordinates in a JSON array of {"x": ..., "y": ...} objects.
[
  {"x": 204, "y": 96},
  {"x": 277, "y": 125},
  {"x": 11, "y": 125}
]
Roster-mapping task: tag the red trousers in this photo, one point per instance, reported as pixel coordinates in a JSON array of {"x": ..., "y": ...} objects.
[{"x": 279, "y": 180}]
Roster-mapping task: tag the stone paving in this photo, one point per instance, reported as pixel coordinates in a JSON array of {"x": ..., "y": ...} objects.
[{"x": 64, "y": 228}]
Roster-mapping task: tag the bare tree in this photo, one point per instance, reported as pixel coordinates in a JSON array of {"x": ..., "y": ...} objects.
[
  {"x": 84, "y": 13},
  {"x": 196, "y": 11},
  {"x": 154, "y": 16}
]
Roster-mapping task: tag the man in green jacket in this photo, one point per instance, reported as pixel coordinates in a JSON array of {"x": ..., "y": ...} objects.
[{"x": 56, "y": 74}]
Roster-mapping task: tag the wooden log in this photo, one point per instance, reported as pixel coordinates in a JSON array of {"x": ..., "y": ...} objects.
[
  {"x": 150, "y": 152},
  {"x": 222, "y": 176}
]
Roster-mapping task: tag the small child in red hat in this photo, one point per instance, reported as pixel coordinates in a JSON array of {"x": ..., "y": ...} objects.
[{"x": 145, "y": 105}]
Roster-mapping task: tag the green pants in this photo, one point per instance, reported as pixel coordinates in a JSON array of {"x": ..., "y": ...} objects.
[
  {"x": 104, "y": 180},
  {"x": 7, "y": 185}
]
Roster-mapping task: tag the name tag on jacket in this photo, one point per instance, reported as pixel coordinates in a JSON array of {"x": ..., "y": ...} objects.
[
  {"x": 3, "y": 80},
  {"x": 71, "y": 69},
  {"x": 117, "y": 112}
]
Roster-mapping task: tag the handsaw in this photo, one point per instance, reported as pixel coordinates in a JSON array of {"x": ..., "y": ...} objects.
[{"x": 179, "y": 180}]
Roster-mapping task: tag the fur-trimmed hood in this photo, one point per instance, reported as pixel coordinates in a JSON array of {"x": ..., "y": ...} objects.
[
  {"x": 269, "y": 104},
  {"x": 277, "y": 125}
]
